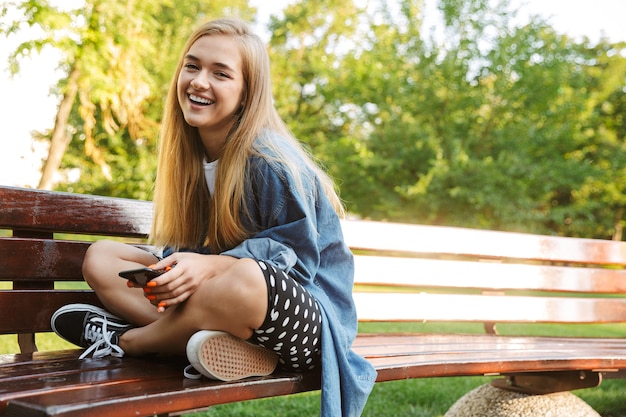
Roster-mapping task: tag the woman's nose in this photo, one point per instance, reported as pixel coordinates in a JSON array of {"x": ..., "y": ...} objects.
[{"x": 200, "y": 82}]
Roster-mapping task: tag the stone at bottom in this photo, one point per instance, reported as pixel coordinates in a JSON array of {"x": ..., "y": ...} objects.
[{"x": 489, "y": 401}]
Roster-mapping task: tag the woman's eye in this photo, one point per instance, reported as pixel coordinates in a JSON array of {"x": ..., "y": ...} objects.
[
  {"x": 191, "y": 66},
  {"x": 223, "y": 75}
]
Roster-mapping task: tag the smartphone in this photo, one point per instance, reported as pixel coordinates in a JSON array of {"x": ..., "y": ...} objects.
[{"x": 141, "y": 276}]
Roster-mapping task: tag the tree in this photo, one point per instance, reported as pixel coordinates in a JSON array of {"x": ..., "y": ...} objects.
[
  {"x": 119, "y": 56},
  {"x": 598, "y": 205},
  {"x": 307, "y": 50},
  {"x": 485, "y": 126}
]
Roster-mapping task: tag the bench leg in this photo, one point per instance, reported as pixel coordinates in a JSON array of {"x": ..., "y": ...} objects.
[{"x": 26, "y": 341}]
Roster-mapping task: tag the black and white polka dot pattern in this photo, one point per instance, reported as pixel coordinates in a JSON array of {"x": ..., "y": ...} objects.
[{"x": 293, "y": 325}]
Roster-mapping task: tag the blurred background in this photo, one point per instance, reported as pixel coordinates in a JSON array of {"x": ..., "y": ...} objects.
[{"x": 499, "y": 114}]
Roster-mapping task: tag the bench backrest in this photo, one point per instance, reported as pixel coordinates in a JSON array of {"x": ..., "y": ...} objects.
[
  {"x": 403, "y": 272},
  {"x": 433, "y": 273},
  {"x": 45, "y": 237}
]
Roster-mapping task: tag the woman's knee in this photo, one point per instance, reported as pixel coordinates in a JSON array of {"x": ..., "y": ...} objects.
[
  {"x": 98, "y": 254},
  {"x": 247, "y": 283},
  {"x": 106, "y": 258},
  {"x": 237, "y": 298}
]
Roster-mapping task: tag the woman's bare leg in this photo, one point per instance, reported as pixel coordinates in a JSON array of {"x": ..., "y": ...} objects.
[
  {"x": 103, "y": 261},
  {"x": 235, "y": 301}
]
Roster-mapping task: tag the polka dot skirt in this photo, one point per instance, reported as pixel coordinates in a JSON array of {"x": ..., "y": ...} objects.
[{"x": 293, "y": 325}]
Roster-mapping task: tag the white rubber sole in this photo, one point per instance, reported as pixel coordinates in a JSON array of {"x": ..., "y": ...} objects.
[{"x": 218, "y": 355}]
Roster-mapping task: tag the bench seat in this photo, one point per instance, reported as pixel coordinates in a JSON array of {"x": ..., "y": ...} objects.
[{"x": 59, "y": 384}]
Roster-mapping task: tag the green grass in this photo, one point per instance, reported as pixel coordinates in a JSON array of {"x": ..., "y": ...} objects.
[
  {"x": 417, "y": 398},
  {"x": 430, "y": 397}
]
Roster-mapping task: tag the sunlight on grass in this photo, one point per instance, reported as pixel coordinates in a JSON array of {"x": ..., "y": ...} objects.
[
  {"x": 429, "y": 397},
  {"x": 510, "y": 329},
  {"x": 45, "y": 342},
  {"x": 8, "y": 344}
]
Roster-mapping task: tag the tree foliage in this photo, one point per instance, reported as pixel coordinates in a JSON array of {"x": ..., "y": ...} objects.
[
  {"x": 483, "y": 124},
  {"x": 474, "y": 122},
  {"x": 119, "y": 56}
]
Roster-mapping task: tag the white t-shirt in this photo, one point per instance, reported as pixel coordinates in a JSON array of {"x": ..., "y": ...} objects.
[{"x": 209, "y": 173}]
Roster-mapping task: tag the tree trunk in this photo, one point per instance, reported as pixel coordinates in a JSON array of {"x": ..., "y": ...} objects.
[
  {"x": 619, "y": 225},
  {"x": 60, "y": 137}
]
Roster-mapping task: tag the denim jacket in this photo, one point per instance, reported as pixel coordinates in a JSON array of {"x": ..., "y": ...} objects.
[{"x": 302, "y": 235}]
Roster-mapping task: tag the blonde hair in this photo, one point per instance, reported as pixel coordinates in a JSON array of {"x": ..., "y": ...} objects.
[{"x": 185, "y": 215}]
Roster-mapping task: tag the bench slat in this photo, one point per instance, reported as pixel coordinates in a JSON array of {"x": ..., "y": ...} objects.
[
  {"x": 406, "y": 238},
  {"x": 127, "y": 386},
  {"x": 73, "y": 213},
  {"x": 374, "y": 345},
  {"x": 28, "y": 259},
  {"x": 482, "y": 308},
  {"x": 426, "y": 355},
  {"x": 27, "y": 311},
  {"x": 147, "y": 398},
  {"x": 416, "y": 272}
]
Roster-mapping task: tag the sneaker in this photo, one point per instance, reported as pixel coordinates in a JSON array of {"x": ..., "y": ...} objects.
[
  {"x": 90, "y": 327},
  {"x": 218, "y": 355}
]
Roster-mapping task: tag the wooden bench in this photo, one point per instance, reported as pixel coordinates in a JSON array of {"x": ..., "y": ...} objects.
[{"x": 405, "y": 273}]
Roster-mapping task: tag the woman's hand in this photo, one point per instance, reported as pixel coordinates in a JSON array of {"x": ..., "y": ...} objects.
[{"x": 188, "y": 271}]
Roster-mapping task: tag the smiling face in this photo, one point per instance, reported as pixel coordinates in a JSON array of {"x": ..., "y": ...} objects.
[{"x": 210, "y": 88}]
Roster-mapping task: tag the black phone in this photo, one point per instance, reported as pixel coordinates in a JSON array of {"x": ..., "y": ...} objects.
[{"x": 142, "y": 275}]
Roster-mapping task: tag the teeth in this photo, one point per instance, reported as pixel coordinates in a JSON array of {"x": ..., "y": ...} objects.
[{"x": 200, "y": 99}]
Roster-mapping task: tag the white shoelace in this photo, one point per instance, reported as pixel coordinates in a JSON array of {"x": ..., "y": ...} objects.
[
  {"x": 100, "y": 337},
  {"x": 191, "y": 372}
]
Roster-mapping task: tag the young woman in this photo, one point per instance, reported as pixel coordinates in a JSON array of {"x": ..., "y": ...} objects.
[{"x": 256, "y": 272}]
